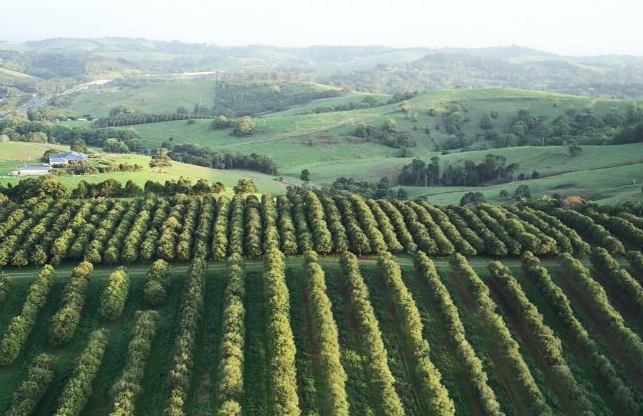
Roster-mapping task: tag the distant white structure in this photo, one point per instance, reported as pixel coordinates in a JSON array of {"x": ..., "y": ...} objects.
[
  {"x": 34, "y": 170},
  {"x": 65, "y": 158}
]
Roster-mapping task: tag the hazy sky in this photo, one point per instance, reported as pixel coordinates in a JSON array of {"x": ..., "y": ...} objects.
[{"x": 574, "y": 27}]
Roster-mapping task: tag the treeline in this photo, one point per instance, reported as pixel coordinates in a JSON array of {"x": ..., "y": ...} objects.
[
  {"x": 128, "y": 386},
  {"x": 326, "y": 338},
  {"x": 548, "y": 344},
  {"x": 434, "y": 395},
  {"x": 230, "y": 388},
  {"x": 66, "y": 319},
  {"x": 380, "y": 379},
  {"x": 464, "y": 172},
  {"x": 78, "y": 388},
  {"x": 449, "y": 312},
  {"x": 142, "y": 118},
  {"x": 281, "y": 345},
  {"x": 581, "y": 125},
  {"x": 22, "y": 324},
  {"x": 556, "y": 298},
  {"x": 33, "y": 388},
  {"x": 221, "y": 159},
  {"x": 602, "y": 308},
  {"x": 182, "y": 227},
  {"x": 18, "y": 129},
  {"x": 186, "y": 338},
  {"x": 502, "y": 338}
]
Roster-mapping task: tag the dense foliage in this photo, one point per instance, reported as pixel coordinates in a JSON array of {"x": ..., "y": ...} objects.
[
  {"x": 79, "y": 387},
  {"x": 66, "y": 320},
  {"x": 22, "y": 324}
]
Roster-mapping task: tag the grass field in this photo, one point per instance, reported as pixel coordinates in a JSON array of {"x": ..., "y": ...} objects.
[
  {"x": 323, "y": 143},
  {"x": 16, "y": 151},
  {"x": 256, "y": 400},
  {"x": 159, "y": 98},
  {"x": 325, "y": 137}
]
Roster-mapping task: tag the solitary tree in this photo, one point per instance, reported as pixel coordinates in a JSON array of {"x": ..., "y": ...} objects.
[
  {"x": 160, "y": 159},
  {"x": 305, "y": 175}
]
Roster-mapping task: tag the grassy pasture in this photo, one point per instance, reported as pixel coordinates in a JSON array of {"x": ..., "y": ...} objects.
[{"x": 265, "y": 183}]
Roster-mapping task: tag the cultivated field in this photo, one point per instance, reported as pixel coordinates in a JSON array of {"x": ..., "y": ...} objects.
[{"x": 344, "y": 334}]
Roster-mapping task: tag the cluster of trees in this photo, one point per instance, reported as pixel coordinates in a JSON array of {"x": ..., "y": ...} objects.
[
  {"x": 322, "y": 236},
  {"x": 112, "y": 301},
  {"x": 579, "y": 245},
  {"x": 387, "y": 134},
  {"x": 449, "y": 313},
  {"x": 449, "y": 230},
  {"x": 383, "y": 223},
  {"x": 21, "y": 325},
  {"x": 157, "y": 280},
  {"x": 242, "y": 98},
  {"x": 221, "y": 159},
  {"x": 109, "y": 188},
  {"x": 281, "y": 345},
  {"x": 286, "y": 226},
  {"x": 78, "y": 388},
  {"x": 19, "y": 129},
  {"x": 237, "y": 227},
  {"x": 125, "y": 390},
  {"x": 419, "y": 232},
  {"x": 582, "y": 126},
  {"x": 444, "y": 246},
  {"x": 371, "y": 227},
  {"x": 188, "y": 226},
  {"x": 230, "y": 388},
  {"x": 241, "y": 127},
  {"x": 381, "y": 189},
  {"x": 326, "y": 337},
  {"x": 435, "y": 396},
  {"x": 376, "y": 358},
  {"x": 397, "y": 222},
  {"x": 476, "y": 240},
  {"x": 185, "y": 341},
  {"x": 595, "y": 233},
  {"x": 6, "y": 283},
  {"x": 366, "y": 102},
  {"x": 87, "y": 169},
  {"x": 253, "y": 228},
  {"x": 635, "y": 258},
  {"x": 546, "y": 341},
  {"x": 30, "y": 391},
  {"x": 504, "y": 342},
  {"x": 557, "y": 299},
  {"x": 44, "y": 186},
  {"x": 528, "y": 236},
  {"x": 183, "y": 186},
  {"x": 334, "y": 222},
  {"x": 66, "y": 319},
  {"x": 128, "y": 119},
  {"x": 621, "y": 227},
  {"x": 463, "y": 172},
  {"x": 597, "y": 299},
  {"x": 605, "y": 264},
  {"x": 220, "y": 230},
  {"x": 358, "y": 239},
  {"x": 304, "y": 237}
]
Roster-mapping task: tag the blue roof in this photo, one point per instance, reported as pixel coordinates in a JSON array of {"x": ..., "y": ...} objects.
[{"x": 66, "y": 156}]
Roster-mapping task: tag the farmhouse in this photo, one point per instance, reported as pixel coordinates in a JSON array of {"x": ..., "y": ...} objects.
[
  {"x": 66, "y": 158},
  {"x": 33, "y": 170}
]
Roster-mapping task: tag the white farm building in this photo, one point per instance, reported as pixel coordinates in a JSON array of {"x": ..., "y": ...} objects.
[{"x": 33, "y": 170}]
